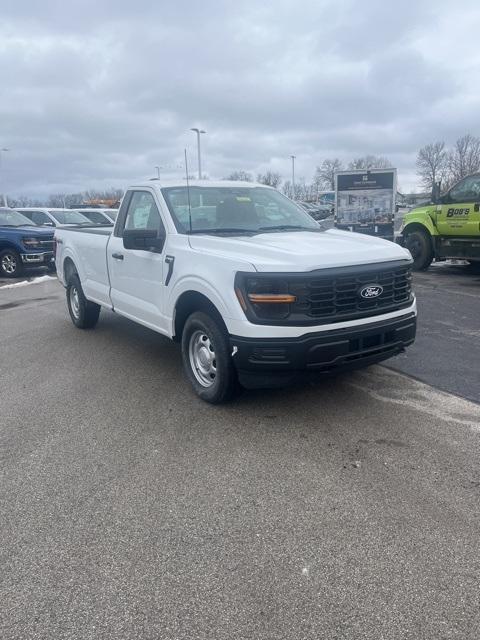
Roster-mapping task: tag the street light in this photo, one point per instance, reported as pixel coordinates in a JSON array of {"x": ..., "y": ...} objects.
[
  {"x": 5, "y": 203},
  {"x": 293, "y": 176},
  {"x": 198, "y": 132}
]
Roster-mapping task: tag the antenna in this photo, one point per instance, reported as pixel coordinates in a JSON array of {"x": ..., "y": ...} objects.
[{"x": 188, "y": 192}]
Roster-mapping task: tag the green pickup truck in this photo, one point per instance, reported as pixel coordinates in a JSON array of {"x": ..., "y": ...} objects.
[{"x": 449, "y": 227}]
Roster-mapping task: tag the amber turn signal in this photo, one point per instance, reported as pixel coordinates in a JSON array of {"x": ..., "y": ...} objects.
[
  {"x": 271, "y": 298},
  {"x": 241, "y": 299}
]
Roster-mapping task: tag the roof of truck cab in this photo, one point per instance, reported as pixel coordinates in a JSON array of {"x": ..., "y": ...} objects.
[
  {"x": 47, "y": 209},
  {"x": 160, "y": 184}
]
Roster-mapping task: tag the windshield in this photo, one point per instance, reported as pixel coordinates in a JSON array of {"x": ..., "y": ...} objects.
[
  {"x": 14, "y": 219},
  {"x": 96, "y": 217},
  {"x": 112, "y": 213},
  {"x": 235, "y": 209},
  {"x": 69, "y": 217}
]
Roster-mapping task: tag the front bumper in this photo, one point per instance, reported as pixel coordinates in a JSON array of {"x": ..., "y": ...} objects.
[
  {"x": 276, "y": 362},
  {"x": 44, "y": 257}
]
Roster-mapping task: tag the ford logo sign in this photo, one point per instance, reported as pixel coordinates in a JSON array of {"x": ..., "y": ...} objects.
[{"x": 371, "y": 291}]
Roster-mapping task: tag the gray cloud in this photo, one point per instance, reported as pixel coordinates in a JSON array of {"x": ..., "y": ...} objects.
[{"x": 97, "y": 93}]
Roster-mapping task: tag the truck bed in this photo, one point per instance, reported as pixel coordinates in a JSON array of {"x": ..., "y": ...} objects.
[{"x": 87, "y": 247}]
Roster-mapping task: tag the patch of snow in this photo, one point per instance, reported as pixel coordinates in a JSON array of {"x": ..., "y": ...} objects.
[{"x": 24, "y": 283}]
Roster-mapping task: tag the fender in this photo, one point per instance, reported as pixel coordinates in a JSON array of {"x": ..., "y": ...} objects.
[
  {"x": 420, "y": 218},
  {"x": 226, "y": 304}
]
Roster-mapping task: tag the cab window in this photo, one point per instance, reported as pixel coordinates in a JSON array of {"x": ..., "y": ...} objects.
[
  {"x": 143, "y": 212},
  {"x": 468, "y": 190}
]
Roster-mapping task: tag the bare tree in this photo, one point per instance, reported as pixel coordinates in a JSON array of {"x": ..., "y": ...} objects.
[
  {"x": 56, "y": 200},
  {"x": 242, "y": 176},
  {"x": 432, "y": 164},
  {"x": 464, "y": 159},
  {"x": 370, "y": 162},
  {"x": 270, "y": 178},
  {"x": 302, "y": 191},
  {"x": 325, "y": 174}
]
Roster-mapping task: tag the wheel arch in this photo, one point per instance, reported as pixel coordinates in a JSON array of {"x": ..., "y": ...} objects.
[
  {"x": 418, "y": 226},
  {"x": 69, "y": 269},
  {"x": 7, "y": 244},
  {"x": 189, "y": 302}
]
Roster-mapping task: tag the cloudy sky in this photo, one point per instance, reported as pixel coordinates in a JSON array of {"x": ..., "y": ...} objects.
[{"x": 96, "y": 93}]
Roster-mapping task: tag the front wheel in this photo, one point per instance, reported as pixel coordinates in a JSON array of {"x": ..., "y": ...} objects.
[
  {"x": 84, "y": 314},
  {"x": 10, "y": 264},
  {"x": 206, "y": 358},
  {"x": 420, "y": 246}
]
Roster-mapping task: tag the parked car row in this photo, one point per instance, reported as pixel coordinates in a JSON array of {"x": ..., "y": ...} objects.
[
  {"x": 53, "y": 217},
  {"x": 317, "y": 210},
  {"x": 26, "y": 234}
]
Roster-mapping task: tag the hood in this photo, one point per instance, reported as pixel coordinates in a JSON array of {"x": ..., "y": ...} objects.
[
  {"x": 301, "y": 250},
  {"x": 31, "y": 230}
]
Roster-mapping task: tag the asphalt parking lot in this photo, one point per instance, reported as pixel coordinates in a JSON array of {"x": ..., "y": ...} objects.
[{"x": 130, "y": 509}]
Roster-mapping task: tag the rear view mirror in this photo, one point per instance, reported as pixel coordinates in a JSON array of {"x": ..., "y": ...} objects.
[{"x": 143, "y": 239}]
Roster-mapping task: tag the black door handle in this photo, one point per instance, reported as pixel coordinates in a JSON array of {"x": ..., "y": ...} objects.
[{"x": 117, "y": 256}]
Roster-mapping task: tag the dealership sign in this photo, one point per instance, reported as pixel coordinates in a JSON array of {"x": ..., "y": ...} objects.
[{"x": 365, "y": 200}]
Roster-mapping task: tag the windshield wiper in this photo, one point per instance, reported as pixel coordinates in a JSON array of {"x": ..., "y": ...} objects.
[
  {"x": 224, "y": 230},
  {"x": 288, "y": 227}
]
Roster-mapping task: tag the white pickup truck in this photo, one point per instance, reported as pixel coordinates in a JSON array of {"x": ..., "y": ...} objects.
[{"x": 256, "y": 292}]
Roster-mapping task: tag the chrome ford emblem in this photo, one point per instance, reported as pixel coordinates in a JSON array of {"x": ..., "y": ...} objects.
[{"x": 371, "y": 291}]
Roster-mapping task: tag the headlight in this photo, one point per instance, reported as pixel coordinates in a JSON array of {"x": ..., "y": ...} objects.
[
  {"x": 264, "y": 298},
  {"x": 31, "y": 242}
]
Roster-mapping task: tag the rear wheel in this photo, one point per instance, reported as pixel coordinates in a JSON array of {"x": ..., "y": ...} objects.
[
  {"x": 84, "y": 314},
  {"x": 420, "y": 246},
  {"x": 206, "y": 358},
  {"x": 10, "y": 264}
]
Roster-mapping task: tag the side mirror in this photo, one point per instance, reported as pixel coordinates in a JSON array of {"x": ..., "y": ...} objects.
[{"x": 143, "y": 239}]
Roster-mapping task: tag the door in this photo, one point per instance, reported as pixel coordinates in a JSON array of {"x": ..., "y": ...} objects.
[
  {"x": 136, "y": 276},
  {"x": 459, "y": 215}
]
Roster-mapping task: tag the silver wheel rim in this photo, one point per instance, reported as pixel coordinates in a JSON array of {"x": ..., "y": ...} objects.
[
  {"x": 74, "y": 301},
  {"x": 9, "y": 264},
  {"x": 203, "y": 360}
]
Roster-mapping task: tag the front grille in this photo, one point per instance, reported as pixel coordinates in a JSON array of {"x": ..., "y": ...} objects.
[
  {"x": 330, "y": 295},
  {"x": 338, "y": 297}
]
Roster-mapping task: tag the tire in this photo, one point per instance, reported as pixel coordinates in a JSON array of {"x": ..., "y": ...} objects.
[
  {"x": 52, "y": 268},
  {"x": 10, "y": 264},
  {"x": 84, "y": 314},
  {"x": 420, "y": 246},
  {"x": 206, "y": 358}
]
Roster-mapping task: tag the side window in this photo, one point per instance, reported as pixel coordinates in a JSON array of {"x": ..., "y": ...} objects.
[
  {"x": 27, "y": 214},
  {"x": 467, "y": 190},
  {"x": 143, "y": 212},
  {"x": 39, "y": 217}
]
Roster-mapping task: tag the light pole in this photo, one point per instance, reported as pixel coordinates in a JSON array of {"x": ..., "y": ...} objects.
[
  {"x": 5, "y": 203},
  {"x": 198, "y": 132},
  {"x": 158, "y": 172},
  {"x": 293, "y": 176}
]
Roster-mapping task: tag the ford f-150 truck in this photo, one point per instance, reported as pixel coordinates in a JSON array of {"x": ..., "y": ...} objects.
[
  {"x": 255, "y": 290},
  {"x": 22, "y": 244}
]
